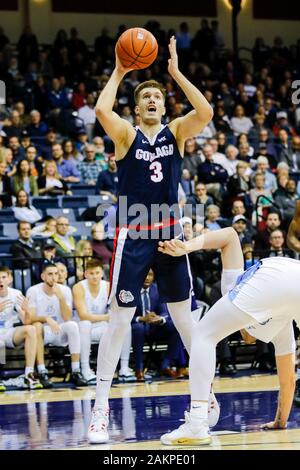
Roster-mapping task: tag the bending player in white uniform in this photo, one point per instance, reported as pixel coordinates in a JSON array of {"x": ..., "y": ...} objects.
[
  {"x": 14, "y": 306},
  {"x": 90, "y": 301},
  {"x": 51, "y": 312},
  {"x": 264, "y": 301}
]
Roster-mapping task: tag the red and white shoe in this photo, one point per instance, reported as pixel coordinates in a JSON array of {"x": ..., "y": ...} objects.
[
  {"x": 97, "y": 432},
  {"x": 213, "y": 409}
]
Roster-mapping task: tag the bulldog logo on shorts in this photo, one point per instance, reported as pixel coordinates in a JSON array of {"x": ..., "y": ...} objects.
[{"x": 126, "y": 296}]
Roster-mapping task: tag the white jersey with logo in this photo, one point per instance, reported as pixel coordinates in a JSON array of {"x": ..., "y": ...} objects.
[
  {"x": 270, "y": 291},
  {"x": 9, "y": 316},
  {"x": 95, "y": 305},
  {"x": 48, "y": 305}
]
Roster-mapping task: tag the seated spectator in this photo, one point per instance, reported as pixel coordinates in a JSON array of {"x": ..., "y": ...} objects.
[
  {"x": 45, "y": 147},
  {"x": 214, "y": 176},
  {"x": 12, "y": 302},
  {"x": 262, "y": 239},
  {"x": 242, "y": 139},
  {"x": 292, "y": 158},
  {"x": 71, "y": 153},
  {"x": 83, "y": 253},
  {"x": 238, "y": 208},
  {"x": 5, "y": 187},
  {"x": 287, "y": 201},
  {"x": 260, "y": 190},
  {"x": 239, "y": 183},
  {"x": 14, "y": 128},
  {"x": 89, "y": 168},
  {"x": 100, "y": 247},
  {"x": 65, "y": 243},
  {"x": 88, "y": 115},
  {"x": 239, "y": 223},
  {"x": 62, "y": 273},
  {"x": 263, "y": 152},
  {"x": 46, "y": 229},
  {"x": 263, "y": 168},
  {"x": 239, "y": 122},
  {"x": 25, "y": 248},
  {"x": 15, "y": 146},
  {"x": 50, "y": 306},
  {"x": 232, "y": 161},
  {"x": 244, "y": 154},
  {"x": 51, "y": 183},
  {"x": 23, "y": 210},
  {"x": 222, "y": 121},
  {"x": 49, "y": 250},
  {"x": 57, "y": 96},
  {"x": 283, "y": 147},
  {"x": 195, "y": 200},
  {"x": 37, "y": 129},
  {"x": 277, "y": 242},
  {"x": 100, "y": 153},
  {"x": 186, "y": 183},
  {"x": 66, "y": 168},
  {"x": 35, "y": 164},
  {"x": 191, "y": 159},
  {"x": 152, "y": 322},
  {"x": 107, "y": 183},
  {"x": 212, "y": 216},
  {"x": 79, "y": 96},
  {"x": 11, "y": 167},
  {"x": 90, "y": 301},
  {"x": 24, "y": 180}
]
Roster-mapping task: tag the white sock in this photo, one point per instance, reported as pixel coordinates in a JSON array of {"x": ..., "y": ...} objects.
[
  {"x": 41, "y": 368},
  {"x": 298, "y": 373},
  {"x": 85, "y": 367},
  {"x": 28, "y": 370},
  {"x": 199, "y": 409},
  {"x": 75, "y": 366},
  {"x": 85, "y": 328},
  {"x": 228, "y": 279},
  {"x": 101, "y": 403}
]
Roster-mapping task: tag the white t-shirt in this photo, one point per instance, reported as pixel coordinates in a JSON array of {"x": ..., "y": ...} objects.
[
  {"x": 271, "y": 291},
  {"x": 10, "y": 315},
  {"x": 96, "y": 305},
  {"x": 48, "y": 305}
]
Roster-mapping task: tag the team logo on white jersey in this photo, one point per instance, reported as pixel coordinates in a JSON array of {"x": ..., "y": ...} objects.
[{"x": 126, "y": 296}]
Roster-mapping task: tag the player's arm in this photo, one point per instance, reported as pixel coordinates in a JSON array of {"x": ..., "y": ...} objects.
[
  {"x": 80, "y": 306},
  {"x": 65, "y": 304},
  {"x": 294, "y": 230},
  {"x": 193, "y": 123},
  {"x": 225, "y": 239},
  {"x": 286, "y": 374},
  {"x": 118, "y": 129}
]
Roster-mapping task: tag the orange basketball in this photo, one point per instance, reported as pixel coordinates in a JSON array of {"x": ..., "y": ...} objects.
[{"x": 137, "y": 48}]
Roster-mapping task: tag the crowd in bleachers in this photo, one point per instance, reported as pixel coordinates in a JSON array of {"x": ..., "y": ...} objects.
[{"x": 57, "y": 164}]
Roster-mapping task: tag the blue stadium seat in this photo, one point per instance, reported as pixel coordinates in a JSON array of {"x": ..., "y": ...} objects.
[
  {"x": 46, "y": 202},
  {"x": 10, "y": 230},
  {"x": 6, "y": 259},
  {"x": 74, "y": 201},
  {"x": 82, "y": 189},
  {"x": 7, "y": 215},
  {"x": 69, "y": 213},
  {"x": 22, "y": 279},
  {"x": 83, "y": 229},
  {"x": 5, "y": 244}
]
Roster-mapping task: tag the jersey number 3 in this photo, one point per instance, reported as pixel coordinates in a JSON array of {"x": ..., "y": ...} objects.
[{"x": 157, "y": 175}]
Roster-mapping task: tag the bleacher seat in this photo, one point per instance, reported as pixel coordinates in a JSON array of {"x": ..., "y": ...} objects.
[
  {"x": 10, "y": 230},
  {"x": 69, "y": 213},
  {"x": 97, "y": 199},
  {"x": 5, "y": 259},
  {"x": 82, "y": 189},
  {"x": 71, "y": 202},
  {"x": 46, "y": 202},
  {"x": 22, "y": 279},
  {"x": 7, "y": 215},
  {"x": 5, "y": 244},
  {"x": 83, "y": 229}
]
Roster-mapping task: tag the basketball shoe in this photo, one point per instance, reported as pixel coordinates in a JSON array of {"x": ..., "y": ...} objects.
[
  {"x": 97, "y": 432},
  {"x": 32, "y": 382},
  {"x": 213, "y": 409},
  {"x": 194, "y": 432}
]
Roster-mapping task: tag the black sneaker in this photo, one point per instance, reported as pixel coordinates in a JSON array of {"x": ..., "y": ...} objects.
[
  {"x": 32, "y": 382},
  {"x": 44, "y": 379},
  {"x": 77, "y": 379},
  {"x": 297, "y": 393}
]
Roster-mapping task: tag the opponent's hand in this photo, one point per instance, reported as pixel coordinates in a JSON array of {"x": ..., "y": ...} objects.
[
  {"x": 172, "y": 248},
  {"x": 173, "y": 61},
  {"x": 273, "y": 425}
]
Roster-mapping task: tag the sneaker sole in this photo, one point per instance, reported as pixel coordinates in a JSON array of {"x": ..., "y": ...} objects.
[
  {"x": 187, "y": 441},
  {"x": 97, "y": 440}
]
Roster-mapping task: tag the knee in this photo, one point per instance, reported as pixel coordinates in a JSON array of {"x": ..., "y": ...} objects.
[
  {"x": 85, "y": 325},
  {"x": 137, "y": 329},
  {"x": 30, "y": 331},
  {"x": 72, "y": 327}
]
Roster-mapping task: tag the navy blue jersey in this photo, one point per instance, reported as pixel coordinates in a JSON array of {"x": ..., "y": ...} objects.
[{"x": 150, "y": 172}]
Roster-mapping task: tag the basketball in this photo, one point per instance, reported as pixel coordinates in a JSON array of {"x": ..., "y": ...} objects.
[{"x": 137, "y": 48}]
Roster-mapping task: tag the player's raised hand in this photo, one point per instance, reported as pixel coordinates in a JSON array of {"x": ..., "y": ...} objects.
[
  {"x": 172, "y": 248},
  {"x": 173, "y": 61},
  {"x": 121, "y": 69}
]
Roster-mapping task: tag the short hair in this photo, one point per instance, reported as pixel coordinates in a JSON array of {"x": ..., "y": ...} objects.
[
  {"x": 22, "y": 222},
  {"x": 93, "y": 263},
  {"x": 149, "y": 84},
  {"x": 5, "y": 269}
]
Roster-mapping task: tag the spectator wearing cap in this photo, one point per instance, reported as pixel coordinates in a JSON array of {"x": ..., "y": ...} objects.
[
  {"x": 264, "y": 152},
  {"x": 239, "y": 223},
  {"x": 25, "y": 140},
  {"x": 89, "y": 168},
  {"x": 292, "y": 158},
  {"x": 283, "y": 123},
  {"x": 107, "y": 183},
  {"x": 23, "y": 210},
  {"x": 263, "y": 168},
  {"x": 238, "y": 208},
  {"x": 37, "y": 129},
  {"x": 49, "y": 249}
]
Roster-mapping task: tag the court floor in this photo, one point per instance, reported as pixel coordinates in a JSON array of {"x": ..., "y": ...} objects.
[{"x": 140, "y": 413}]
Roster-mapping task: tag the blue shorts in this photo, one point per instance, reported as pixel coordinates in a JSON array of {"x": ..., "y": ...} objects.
[{"x": 132, "y": 260}]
